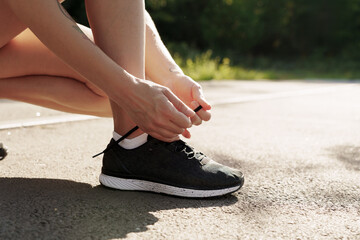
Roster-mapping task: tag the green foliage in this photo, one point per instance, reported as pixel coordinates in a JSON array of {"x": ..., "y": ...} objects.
[
  {"x": 237, "y": 28},
  {"x": 322, "y": 28},
  {"x": 257, "y": 39},
  {"x": 206, "y": 67}
]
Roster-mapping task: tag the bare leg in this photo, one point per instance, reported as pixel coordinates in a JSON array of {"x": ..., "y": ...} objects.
[
  {"x": 10, "y": 26},
  {"x": 119, "y": 30},
  {"x": 24, "y": 57},
  {"x": 27, "y": 56},
  {"x": 29, "y": 72},
  {"x": 59, "y": 93}
]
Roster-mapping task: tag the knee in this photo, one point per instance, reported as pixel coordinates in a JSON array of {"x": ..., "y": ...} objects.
[
  {"x": 6, "y": 45},
  {"x": 2, "y": 45}
]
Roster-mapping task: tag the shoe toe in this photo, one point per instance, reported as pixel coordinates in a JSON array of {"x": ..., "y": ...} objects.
[
  {"x": 238, "y": 177},
  {"x": 224, "y": 176}
]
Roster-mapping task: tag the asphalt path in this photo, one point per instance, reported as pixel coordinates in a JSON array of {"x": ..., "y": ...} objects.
[{"x": 297, "y": 142}]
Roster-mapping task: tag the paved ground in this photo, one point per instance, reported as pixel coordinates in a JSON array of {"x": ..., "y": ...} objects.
[{"x": 297, "y": 142}]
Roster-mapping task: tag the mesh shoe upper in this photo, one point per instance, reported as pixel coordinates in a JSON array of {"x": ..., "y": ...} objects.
[{"x": 176, "y": 164}]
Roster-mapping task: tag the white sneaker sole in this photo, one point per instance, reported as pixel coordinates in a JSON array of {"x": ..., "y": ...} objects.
[{"x": 142, "y": 185}]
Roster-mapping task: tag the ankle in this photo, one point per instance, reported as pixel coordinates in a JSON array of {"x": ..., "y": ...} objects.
[{"x": 131, "y": 143}]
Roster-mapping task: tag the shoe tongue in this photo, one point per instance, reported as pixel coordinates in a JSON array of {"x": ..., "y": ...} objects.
[{"x": 150, "y": 138}]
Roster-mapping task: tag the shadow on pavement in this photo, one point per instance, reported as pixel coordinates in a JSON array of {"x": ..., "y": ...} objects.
[
  {"x": 64, "y": 209},
  {"x": 348, "y": 154}
]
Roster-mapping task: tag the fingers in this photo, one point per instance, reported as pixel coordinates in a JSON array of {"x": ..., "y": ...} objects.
[
  {"x": 169, "y": 131},
  {"x": 198, "y": 96},
  {"x": 175, "y": 120},
  {"x": 164, "y": 130},
  {"x": 201, "y": 115},
  {"x": 168, "y": 136},
  {"x": 178, "y": 104},
  {"x": 186, "y": 134},
  {"x": 204, "y": 113},
  {"x": 196, "y": 120},
  {"x": 163, "y": 134},
  {"x": 165, "y": 116},
  {"x": 179, "y": 113},
  {"x": 173, "y": 128},
  {"x": 162, "y": 138}
]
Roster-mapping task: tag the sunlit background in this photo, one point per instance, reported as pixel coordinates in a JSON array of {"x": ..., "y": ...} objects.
[{"x": 257, "y": 39}]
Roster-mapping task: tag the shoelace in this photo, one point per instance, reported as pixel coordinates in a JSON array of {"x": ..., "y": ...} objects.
[
  {"x": 181, "y": 146},
  {"x": 128, "y": 134}
]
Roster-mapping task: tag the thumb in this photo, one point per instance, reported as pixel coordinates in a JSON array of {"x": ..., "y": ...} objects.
[{"x": 199, "y": 97}]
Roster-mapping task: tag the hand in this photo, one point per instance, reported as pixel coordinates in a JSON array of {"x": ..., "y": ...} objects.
[
  {"x": 190, "y": 92},
  {"x": 156, "y": 110}
]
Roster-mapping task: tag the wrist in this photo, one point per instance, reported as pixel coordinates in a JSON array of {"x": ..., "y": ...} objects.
[
  {"x": 169, "y": 76},
  {"x": 121, "y": 85},
  {"x": 176, "y": 70}
]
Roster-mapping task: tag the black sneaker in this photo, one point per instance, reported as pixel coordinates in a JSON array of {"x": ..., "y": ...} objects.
[{"x": 169, "y": 168}]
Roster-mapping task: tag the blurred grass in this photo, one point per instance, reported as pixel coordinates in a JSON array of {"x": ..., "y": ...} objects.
[{"x": 206, "y": 66}]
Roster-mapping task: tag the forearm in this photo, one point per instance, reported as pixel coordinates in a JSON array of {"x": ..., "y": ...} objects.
[
  {"x": 51, "y": 24},
  {"x": 160, "y": 67}
]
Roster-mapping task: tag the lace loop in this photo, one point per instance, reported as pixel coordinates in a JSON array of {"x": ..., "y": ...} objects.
[{"x": 181, "y": 146}]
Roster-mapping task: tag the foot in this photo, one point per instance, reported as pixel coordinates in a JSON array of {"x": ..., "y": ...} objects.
[{"x": 169, "y": 168}]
